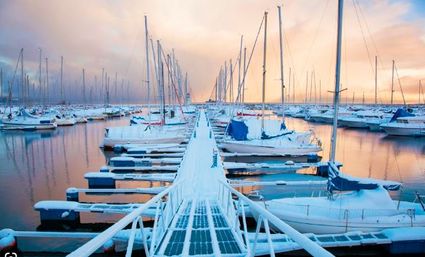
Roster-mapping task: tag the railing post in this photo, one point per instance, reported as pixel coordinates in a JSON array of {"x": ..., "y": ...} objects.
[
  {"x": 257, "y": 230},
  {"x": 162, "y": 214},
  {"x": 145, "y": 243},
  {"x": 269, "y": 239},
  {"x": 171, "y": 202},
  {"x": 154, "y": 227},
  {"x": 245, "y": 228},
  {"x": 130, "y": 243}
]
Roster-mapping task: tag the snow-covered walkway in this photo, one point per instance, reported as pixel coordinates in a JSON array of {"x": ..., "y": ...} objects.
[
  {"x": 200, "y": 226},
  {"x": 201, "y": 179}
]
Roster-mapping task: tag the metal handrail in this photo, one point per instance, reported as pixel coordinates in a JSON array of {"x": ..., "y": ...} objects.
[
  {"x": 95, "y": 243},
  {"x": 307, "y": 244}
]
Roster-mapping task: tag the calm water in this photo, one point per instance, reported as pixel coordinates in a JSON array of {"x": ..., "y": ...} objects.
[
  {"x": 364, "y": 154},
  {"x": 37, "y": 166}
]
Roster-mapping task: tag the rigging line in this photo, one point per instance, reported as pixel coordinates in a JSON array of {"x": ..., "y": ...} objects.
[
  {"x": 368, "y": 31},
  {"x": 12, "y": 82},
  {"x": 345, "y": 60},
  {"x": 399, "y": 83},
  {"x": 155, "y": 70},
  {"x": 363, "y": 36},
  {"x": 315, "y": 35},
  {"x": 213, "y": 91},
  {"x": 173, "y": 84},
  {"x": 233, "y": 71},
  {"x": 130, "y": 61},
  {"x": 423, "y": 93},
  {"x": 288, "y": 48},
  {"x": 249, "y": 60}
]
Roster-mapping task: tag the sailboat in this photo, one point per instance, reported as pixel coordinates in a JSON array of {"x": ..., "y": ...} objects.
[
  {"x": 352, "y": 204},
  {"x": 363, "y": 119},
  {"x": 26, "y": 121},
  {"x": 404, "y": 123},
  {"x": 61, "y": 119},
  {"x": 260, "y": 136},
  {"x": 149, "y": 133},
  {"x": 245, "y": 135}
]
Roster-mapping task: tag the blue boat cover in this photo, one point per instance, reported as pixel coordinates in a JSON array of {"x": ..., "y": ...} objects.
[
  {"x": 238, "y": 130},
  {"x": 401, "y": 113},
  {"x": 340, "y": 182}
]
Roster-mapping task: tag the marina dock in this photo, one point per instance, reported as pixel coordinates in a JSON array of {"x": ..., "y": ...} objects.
[
  {"x": 199, "y": 214},
  {"x": 197, "y": 221},
  {"x": 208, "y": 131}
]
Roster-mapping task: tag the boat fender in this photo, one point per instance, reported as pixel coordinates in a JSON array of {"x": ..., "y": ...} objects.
[
  {"x": 109, "y": 247},
  {"x": 7, "y": 240}
]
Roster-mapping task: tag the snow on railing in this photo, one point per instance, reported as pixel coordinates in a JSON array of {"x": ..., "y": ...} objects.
[
  {"x": 264, "y": 217},
  {"x": 163, "y": 217}
]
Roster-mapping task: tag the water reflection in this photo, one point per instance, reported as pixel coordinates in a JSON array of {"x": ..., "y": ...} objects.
[
  {"x": 39, "y": 166},
  {"x": 366, "y": 154}
]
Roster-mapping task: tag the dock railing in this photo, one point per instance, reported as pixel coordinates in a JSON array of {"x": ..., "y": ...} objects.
[
  {"x": 227, "y": 194},
  {"x": 163, "y": 217}
]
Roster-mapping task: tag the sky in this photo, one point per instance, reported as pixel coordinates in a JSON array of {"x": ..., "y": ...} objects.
[{"x": 204, "y": 34}]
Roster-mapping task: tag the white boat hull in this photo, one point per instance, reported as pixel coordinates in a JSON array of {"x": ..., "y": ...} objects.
[
  {"x": 404, "y": 129},
  {"x": 111, "y": 142},
  {"x": 352, "y": 123},
  {"x": 66, "y": 122},
  {"x": 27, "y": 126},
  {"x": 321, "y": 226},
  {"x": 240, "y": 147}
]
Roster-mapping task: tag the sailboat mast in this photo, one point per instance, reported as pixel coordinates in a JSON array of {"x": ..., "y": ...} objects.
[
  {"x": 289, "y": 86},
  {"x": 225, "y": 82},
  {"x": 161, "y": 82},
  {"x": 231, "y": 81},
  {"x": 102, "y": 84},
  {"x": 282, "y": 83},
  {"x": 1, "y": 83},
  {"x": 264, "y": 72},
  {"x": 320, "y": 91},
  {"x": 240, "y": 63},
  {"x": 306, "y": 87},
  {"x": 39, "y": 71},
  {"x": 147, "y": 67},
  {"x": 169, "y": 80},
  {"x": 376, "y": 79},
  {"x": 392, "y": 83},
  {"x": 185, "y": 89},
  {"x": 47, "y": 79},
  {"x": 22, "y": 76},
  {"x": 244, "y": 75},
  {"x": 61, "y": 78},
  {"x": 293, "y": 87},
  {"x": 337, "y": 79},
  {"x": 84, "y": 86}
]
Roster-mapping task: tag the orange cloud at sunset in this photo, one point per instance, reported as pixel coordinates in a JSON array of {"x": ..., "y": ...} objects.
[{"x": 110, "y": 34}]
